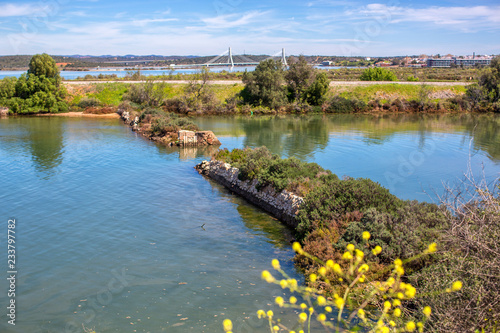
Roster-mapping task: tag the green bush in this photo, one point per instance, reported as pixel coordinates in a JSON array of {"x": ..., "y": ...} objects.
[
  {"x": 378, "y": 74},
  {"x": 334, "y": 198},
  {"x": 402, "y": 234},
  {"x": 86, "y": 102},
  {"x": 340, "y": 104}
]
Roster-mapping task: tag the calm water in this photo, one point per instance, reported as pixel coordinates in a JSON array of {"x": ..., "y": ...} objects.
[
  {"x": 108, "y": 223},
  {"x": 73, "y": 75}
]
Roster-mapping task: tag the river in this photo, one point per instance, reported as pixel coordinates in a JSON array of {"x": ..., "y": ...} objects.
[{"x": 109, "y": 225}]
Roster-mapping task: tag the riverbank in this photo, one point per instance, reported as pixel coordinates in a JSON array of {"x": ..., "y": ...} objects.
[{"x": 216, "y": 98}]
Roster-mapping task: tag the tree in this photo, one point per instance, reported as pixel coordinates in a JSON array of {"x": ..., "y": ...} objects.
[
  {"x": 37, "y": 91},
  {"x": 300, "y": 76},
  {"x": 316, "y": 93},
  {"x": 486, "y": 94},
  {"x": 265, "y": 85},
  {"x": 44, "y": 65}
]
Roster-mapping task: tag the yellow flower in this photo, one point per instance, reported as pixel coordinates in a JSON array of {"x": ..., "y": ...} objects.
[
  {"x": 302, "y": 317},
  {"x": 228, "y": 325},
  {"x": 261, "y": 314},
  {"x": 392, "y": 323},
  {"x": 311, "y": 309},
  {"x": 270, "y": 313},
  {"x": 399, "y": 270},
  {"x": 398, "y": 262},
  {"x": 432, "y": 248},
  {"x": 293, "y": 300},
  {"x": 427, "y": 311},
  {"x": 457, "y": 285},
  {"x": 329, "y": 263},
  {"x": 387, "y": 305},
  {"x": 321, "y": 300},
  {"x": 361, "y": 313},
  {"x": 283, "y": 284},
  {"x": 384, "y": 329},
  {"x": 410, "y": 326},
  {"x": 267, "y": 276},
  {"x": 350, "y": 247},
  {"x": 366, "y": 235},
  {"x": 297, "y": 247},
  {"x": 337, "y": 269},
  {"x": 347, "y": 256},
  {"x": 328, "y": 309},
  {"x": 397, "y": 312},
  {"x": 359, "y": 255},
  {"x": 410, "y": 291},
  {"x": 313, "y": 277},
  {"x": 396, "y": 302},
  {"x": 275, "y": 263},
  {"x": 322, "y": 271},
  {"x": 292, "y": 283},
  {"x": 339, "y": 302},
  {"x": 401, "y": 296},
  {"x": 276, "y": 328},
  {"x": 363, "y": 268},
  {"x": 321, "y": 317},
  {"x": 303, "y": 306},
  {"x": 279, "y": 300},
  {"x": 376, "y": 250},
  {"x": 362, "y": 278}
]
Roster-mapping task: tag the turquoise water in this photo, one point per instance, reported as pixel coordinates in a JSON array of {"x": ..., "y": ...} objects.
[{"x": 108, "y": 224}]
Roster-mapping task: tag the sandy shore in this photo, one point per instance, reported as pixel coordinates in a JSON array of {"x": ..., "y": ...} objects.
[{"x": 80, "y": 114}]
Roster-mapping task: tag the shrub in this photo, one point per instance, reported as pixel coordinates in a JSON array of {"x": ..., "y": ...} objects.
[
  {"x": 340, "y": 104},
  {"x": 89, "y": 102},
  {"x": 378, "y": 74},
  {"x": 333, "y": 198},
  {"x": 470, "y": 251}
]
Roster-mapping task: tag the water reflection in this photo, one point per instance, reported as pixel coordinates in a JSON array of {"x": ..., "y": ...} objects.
[
  {"x": 46, "y": 143},
  {"x": 41, "y": 139},
  {"x": 189, "y": 153},
  {"x": 301, "y": 136}
]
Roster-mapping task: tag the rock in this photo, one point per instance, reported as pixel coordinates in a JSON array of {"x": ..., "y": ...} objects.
[{"x": 207, "y": 138}]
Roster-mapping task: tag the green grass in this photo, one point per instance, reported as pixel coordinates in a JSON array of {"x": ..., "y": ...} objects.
[
  {"x": 110, "y": 93},
  {"x": 391, "y": 91}
]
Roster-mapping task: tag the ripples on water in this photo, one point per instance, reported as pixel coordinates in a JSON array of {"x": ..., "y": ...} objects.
[{"x": 109, "y": 225}]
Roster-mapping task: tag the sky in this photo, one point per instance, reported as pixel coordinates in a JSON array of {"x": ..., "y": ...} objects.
[{"x": 195, "y": 27}]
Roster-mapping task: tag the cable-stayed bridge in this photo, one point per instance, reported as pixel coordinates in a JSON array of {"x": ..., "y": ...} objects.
[{"x": 229, "y": 59}]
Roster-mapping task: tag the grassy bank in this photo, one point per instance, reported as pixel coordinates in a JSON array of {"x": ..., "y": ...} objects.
[
  {"x": 336, "y": 212},
  {"x": 224, "y": 99}
]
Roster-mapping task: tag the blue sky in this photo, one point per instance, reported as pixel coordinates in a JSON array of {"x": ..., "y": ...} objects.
[{"x": 192, "y": 27}]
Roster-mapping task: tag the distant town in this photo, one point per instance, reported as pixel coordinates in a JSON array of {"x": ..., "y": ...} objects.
[{"x": 76, "y": 62}]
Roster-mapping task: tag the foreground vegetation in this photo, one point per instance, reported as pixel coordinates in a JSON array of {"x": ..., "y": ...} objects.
[{"x": 336, "y": 212}]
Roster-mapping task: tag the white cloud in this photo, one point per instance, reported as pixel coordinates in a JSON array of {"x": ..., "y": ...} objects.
[
  {"x": 144, "y": 22},
  {"x": 465, "y": 19},
  {"x": 9, "y": 9},
  {"x": 232, "y": 20}
]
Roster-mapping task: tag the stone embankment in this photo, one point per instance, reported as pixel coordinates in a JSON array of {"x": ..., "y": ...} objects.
[
  {"x": 283, "y": 205},
  {"x": 180, "y": 138}
]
